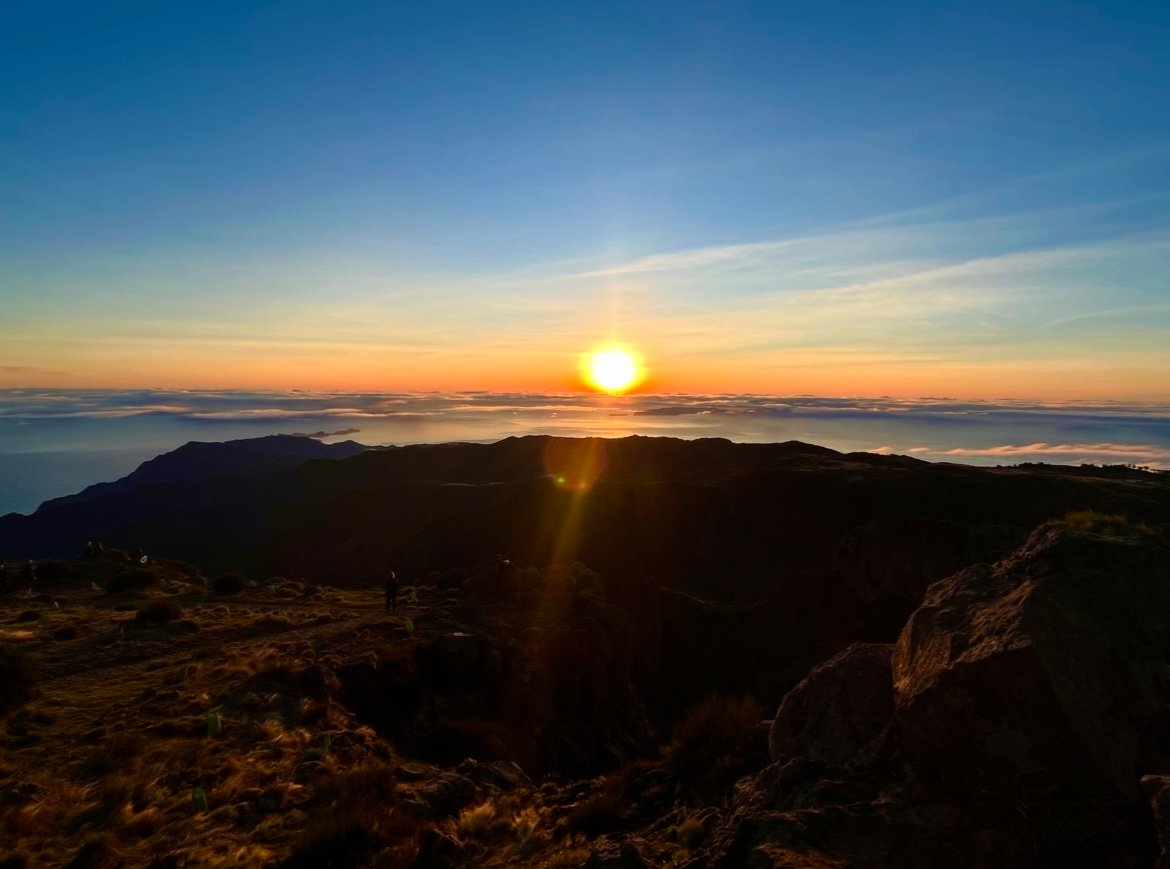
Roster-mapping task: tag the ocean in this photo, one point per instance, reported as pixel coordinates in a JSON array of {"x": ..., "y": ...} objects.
[{"x": 55, "y": 442}]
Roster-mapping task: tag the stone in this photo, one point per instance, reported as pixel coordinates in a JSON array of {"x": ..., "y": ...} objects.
[{"x": 839, "y": 711}]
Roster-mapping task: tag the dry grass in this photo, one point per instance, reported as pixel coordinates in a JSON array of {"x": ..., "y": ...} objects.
[
  {"x": 715, "y": 743},
  {"x": 1110, "y": 524}
]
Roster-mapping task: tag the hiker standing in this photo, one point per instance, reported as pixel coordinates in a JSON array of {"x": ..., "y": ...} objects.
[
  {"x": 503, "y": 565},
  {"x": 391, "y": 589}
]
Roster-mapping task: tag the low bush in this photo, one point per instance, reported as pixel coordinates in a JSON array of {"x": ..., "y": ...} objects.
[
  {"x": 18, "y": 677},
  {"x": 52, "y": 571},
  {"x": 137, "y": 579},
  {"x": 477, "y": 822},
  {"x": 715, "y": 743},
  {"x": 29, "y": 616},
  {"x": 602, "y": 812},
  {"x": 228, "y": 583},
  {"x": 1111, "y": 524},
  {"x": 159, "y": 612},
  {"x": 115, "y": 754},
  {"x": 357, "y": 815}
]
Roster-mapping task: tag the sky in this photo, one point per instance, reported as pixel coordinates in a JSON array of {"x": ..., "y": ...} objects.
[{"x": 967, "y": 200}]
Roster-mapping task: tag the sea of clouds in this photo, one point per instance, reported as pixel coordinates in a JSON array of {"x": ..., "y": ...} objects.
[{"x": 53, "y": 442}]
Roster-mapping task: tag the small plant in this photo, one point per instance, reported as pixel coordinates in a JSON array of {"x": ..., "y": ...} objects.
[
  {"x": 198, "y": 800},
  {"x": 114, "y": 753},
  {"x": 477, "y": 822},
  {"x": 526, "y": 826},
  {"x": 214, "y": 724},
  {"x": 137, "y": 579},
  {"x": 601, "y": 812},
  {"x": 409, "y": 625},
  {"x": 715, "y": 743},
  {"x": 159, "y": 612},
  {"x": 18, "y": 677},
  {"x": 688, "y": 832},
  {"x": 228, "y": 583},
  {"x": 357, "y": 813}
]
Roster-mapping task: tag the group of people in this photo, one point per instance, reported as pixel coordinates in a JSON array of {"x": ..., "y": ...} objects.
[
  {"x": 98, "y": 550},
  {"x": 390, "y": 586}
]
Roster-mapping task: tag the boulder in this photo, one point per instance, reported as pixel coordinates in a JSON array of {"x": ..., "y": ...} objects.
[
  {"x": 1028, "y": 688},
  {"x": 1157, "y": 791},
  {"x": 839, "y": 711}
]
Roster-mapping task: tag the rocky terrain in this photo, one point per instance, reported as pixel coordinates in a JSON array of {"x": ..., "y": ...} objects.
[{"x": 925, "y": 680}]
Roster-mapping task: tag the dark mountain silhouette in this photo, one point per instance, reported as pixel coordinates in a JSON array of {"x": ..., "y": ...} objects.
[
  {"x": 197, "y": 460},
  {"x": 778, "y": 554},
  {"x": 968, "y": 666}
]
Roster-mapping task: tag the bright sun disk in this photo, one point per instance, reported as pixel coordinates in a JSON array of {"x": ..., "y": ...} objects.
[{"x": 613, "y": 369}]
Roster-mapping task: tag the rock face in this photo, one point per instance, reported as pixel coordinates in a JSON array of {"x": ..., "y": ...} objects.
[
  {"x": 1025, "y": 721},
  {"x": 840, "y": 710},
  {"x": 1031, "y": 681}
]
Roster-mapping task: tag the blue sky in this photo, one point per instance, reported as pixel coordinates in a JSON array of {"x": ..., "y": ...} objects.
[{"x": 843, "y": 198}]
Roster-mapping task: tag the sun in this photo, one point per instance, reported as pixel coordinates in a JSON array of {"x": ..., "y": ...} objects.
[{"x": 612, "y": 369}]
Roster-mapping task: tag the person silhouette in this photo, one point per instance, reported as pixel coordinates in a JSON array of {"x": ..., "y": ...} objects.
[
  {"x": 391, "y": 589},
  {"x": 503, "y": 565}
]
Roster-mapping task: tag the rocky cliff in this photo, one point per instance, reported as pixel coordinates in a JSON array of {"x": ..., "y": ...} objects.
[{"x": 1021, "y": 718}]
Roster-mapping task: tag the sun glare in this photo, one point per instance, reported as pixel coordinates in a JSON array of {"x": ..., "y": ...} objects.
[{"x": 613, "y": 369}]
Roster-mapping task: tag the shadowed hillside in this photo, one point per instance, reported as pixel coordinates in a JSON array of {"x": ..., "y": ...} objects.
[
  {"x": 779, "y": 555},
  {"x": 152, "y": 716}
]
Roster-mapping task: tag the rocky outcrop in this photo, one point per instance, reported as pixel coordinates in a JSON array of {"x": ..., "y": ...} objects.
[
  {"x": 1028, "y": 700},
  {"x": 840, "y": 711},
  {"x": 1030, "y": 682}
]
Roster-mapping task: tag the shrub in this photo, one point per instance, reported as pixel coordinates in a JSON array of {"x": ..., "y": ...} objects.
[
  {"x": 116, "y": 753},
  {"x": 18, "y": 677},
  {"x": 359, "y": 814},
  {"x": 97, "y": 852},
  {"x": 52, "y": 571},
  {"x": 228, "y": 583},
  {"x": 602, "y": 812},
  {"x": 132, "y": 580},
  {"x": 66, "y": 632},
  {"x": 714, "y": 744},
  {"x": 1112, "y": 524},
  {"x": 477, "y": 822},
  {"x": 159, "y": 612},
  {"x": 28, "y": 616}
]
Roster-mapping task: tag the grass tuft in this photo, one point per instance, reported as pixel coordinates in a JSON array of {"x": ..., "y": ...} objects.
[
  {"x": 1110, "y": 524},
  {"x": 715, "y": 743},
  {"x": 158, "y": 612}
]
